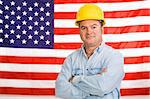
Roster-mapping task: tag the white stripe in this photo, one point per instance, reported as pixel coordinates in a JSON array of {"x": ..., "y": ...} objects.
[
  {"x": 130, "y": 68},
  {"x": 51, "y": 83},
  {"x": 52, "y": 68},
  {"x": 110, "y": 22},
  {"x": 27, "y": 83},
  {"x": 136, "y": 83},
  {"x": 41, "y": 68},
  {"x": 104, "y": 6},
  {"x": 64, "y": 53},
  {"x": 107, "y": 37},
  {"x": 2, "y": 96}
]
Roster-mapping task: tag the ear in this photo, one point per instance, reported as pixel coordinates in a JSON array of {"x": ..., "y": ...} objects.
[{"x": 102, "y": 29}]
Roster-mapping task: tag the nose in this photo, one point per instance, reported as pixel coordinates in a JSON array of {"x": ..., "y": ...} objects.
[{"x": 89, "y": 31}]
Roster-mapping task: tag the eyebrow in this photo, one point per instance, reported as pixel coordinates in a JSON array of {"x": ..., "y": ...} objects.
[{"x": 90, "y": 25}]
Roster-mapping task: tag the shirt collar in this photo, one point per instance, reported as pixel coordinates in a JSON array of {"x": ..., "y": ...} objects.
[{"x": 98, "y": 49}]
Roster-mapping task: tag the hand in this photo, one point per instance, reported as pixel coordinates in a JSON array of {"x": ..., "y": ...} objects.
[{"x": 102, "y": 71}]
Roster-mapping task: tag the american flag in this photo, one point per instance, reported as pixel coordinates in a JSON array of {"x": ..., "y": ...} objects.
[{"x": 37, "y": 35}]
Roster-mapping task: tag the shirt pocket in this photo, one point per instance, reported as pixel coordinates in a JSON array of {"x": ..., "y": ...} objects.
[
  {"x": 77, "y": 72},
  {"x": 93, "y": 71}
]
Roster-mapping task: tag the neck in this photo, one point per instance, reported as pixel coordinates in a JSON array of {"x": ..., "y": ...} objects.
[{"x": 90, "y": 50}]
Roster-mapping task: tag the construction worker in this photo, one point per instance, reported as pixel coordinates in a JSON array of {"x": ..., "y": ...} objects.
[{"x": 94, "y": 71}]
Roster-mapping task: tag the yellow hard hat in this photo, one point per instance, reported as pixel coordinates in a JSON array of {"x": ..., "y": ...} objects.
[{"x": 89, "y": 11}]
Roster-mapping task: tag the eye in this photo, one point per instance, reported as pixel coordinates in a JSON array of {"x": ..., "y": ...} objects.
[
  {"x": 82, "y": 27},
  {"x": 94, "y": 27}
]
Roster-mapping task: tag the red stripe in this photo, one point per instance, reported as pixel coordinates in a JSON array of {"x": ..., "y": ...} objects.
[
  {"x": 28, "y": 75},
  {"x": 27, "y": 91},
  {"x": 137, "y": 60},
  {"x": 135, "y": 91},
  {"x": 137, "y": 75},
  {"x": 107, "y": 30},
  {"x": 116, "y": 45},
  {"x": 51, "y": 91},
  {"x": 110, "y": 14},
  {"x": 54, "y": 60},
  {"x": 91, "y": 1},
  {"x": 53, "y": 76}
]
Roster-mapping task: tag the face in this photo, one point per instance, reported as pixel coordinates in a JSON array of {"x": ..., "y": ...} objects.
[{"x": 91, "y": 32}]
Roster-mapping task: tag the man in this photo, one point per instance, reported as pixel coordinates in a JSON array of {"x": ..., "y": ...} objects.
[{"x": 95, "y": 70}]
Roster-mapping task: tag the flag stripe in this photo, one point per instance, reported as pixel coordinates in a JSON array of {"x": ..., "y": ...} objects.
[
  {"x": 106, "y": 37},
  {"x": 56, "y": 60},
  {"x": 116, "y": 45},
  {"x": 56, "y": 68},
  {"x": 131, "y": 52},
  {"x": 110, "y": 22},
  {"x": 20, "y": 83},
  {"x": 107, "y": 30},
  {"x": 53, "y": 76},
  {"x": 92, "y": 1},
  {"x": 105, "y": 6},
  {"x": 51, "y": 91},
  {"x": 108, "y": 14}
]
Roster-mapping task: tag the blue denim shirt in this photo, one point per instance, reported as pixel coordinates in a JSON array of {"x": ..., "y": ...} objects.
[{"x": 90, "y": 82}]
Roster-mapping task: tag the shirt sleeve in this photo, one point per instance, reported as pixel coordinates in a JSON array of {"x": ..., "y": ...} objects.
[
  {"x": 107, "y": 81},
  {"x": 65, "y": 89}
]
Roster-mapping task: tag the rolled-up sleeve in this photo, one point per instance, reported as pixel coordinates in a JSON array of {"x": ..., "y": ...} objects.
[
  {"x": 107, "y": 81},
  {"x": 65, "y": 89}
]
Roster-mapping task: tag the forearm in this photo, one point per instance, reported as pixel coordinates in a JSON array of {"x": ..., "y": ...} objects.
[
  {"x": 65, "y": 89},
  {"x": 98, "y": 84}
]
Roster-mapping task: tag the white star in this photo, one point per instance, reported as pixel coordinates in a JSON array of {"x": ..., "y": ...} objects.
[
  {"x": 36, "y": 41},
  {"x": 12, "y": 13},
  {"x": 30, "y": 27},
  {"x": 24, "y": 32},
  {"x": 6, "y": 26},
  {"x": 18, "y": 36},
  {"x": 42, "y": 37},
  {"x": 24, "y": 13},
  {"x": 36, "y": 4},
  {"x": 12, "y": 3},
  {"x": 12, "y": 21},
  {"x": 41, "y": 28},
  {"x": 24, "y": 3},
  {"x": 6, "y": 35},
  {"x": 47, "y": 4},
  {"x": 12, "y": 31},
  {"x": 18, "y": 26},
  {"x": 1, "y": 2},
  {"x": 18, "y": 17},
  {"x": 30, "y": 36},
  {"x": 6, "y": 7},
  {"x": 1, "y": 12},
  {"x": 24, "y": 22},
  {"x": 47, "y": 14},
  {"x": 36, "y": 14},
  {"x": 12, "y": 41},
  {"x": 47, "y": 23},
  {"x": 41, "y": 9},
  {"x": 1, "y": 40},
  {"x": 35, "y": 23},
  {"x": 47, "y": 32},
  {"x": 1, "y": 31},
  {"x": 30, "y": 8},
  {"x": 6, "y": 17},
  {"x": 41, "y": 18},
  {"x": 24, "y": 41},
  {"x": 36, "y": 32},
  {"x": 1, "y": 21},
  {"x": 18, "y": 8},
  {"x": 30, "y": 18},
  {"x": 47, "y": 42}
]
